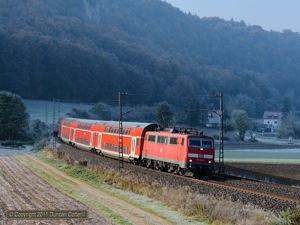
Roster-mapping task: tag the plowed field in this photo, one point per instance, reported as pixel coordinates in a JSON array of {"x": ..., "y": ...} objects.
[{"x": 22, "y": 189}]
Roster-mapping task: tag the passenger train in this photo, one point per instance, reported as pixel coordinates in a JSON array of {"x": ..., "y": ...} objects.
[{"x": 177, "y": 150}]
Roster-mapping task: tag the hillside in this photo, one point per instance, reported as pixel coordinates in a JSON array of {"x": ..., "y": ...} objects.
[{"x": 88, "y": 50}]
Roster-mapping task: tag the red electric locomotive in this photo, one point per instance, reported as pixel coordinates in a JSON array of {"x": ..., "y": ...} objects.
[{"x": 178, "y": 150}]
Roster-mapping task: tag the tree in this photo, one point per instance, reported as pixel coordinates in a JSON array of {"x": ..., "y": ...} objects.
[
  {"x": 79, "y": 113},
  {"x": 286, "y": 106},
  {"x": 241, "y": 122},
  {"x": 288, "y": 127},
  {"x": 13, "y": 117},
  {"x": 242, "y": 102},
  {"x": 228, "y": 126},
  {"x": 101, "y": 111},
  {"x": 39, "y": 130},
  {"x": 40, "y": 133},
  {"x": 164, "y": 114},
  {"x": 193, "y": 113}
]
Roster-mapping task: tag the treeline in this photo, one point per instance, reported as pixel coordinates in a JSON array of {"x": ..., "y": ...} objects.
[{"x": 89, "y": 50}]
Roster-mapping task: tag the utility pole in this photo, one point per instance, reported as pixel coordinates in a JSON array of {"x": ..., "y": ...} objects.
[
  {"x": 58, "y": 110},
  {"x": 121, "y": 162},
  {"x": 46, "y": 114},
  {"x": 221, "y": 136},
  {"x": 53, "y": 125}
]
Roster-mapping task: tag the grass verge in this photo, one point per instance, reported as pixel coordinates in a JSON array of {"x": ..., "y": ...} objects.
[{"x": 197, "y": 207}]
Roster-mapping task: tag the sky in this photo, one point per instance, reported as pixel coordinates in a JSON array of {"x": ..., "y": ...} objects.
[{"x": 276, "y": 15}]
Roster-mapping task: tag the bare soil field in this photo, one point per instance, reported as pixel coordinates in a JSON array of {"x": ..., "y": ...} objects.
[
  {"x": 288, "y": 174},
  {"x": 279, "y": 170},
  {"x": 21, "y": 189},
  {"x": 274, "y": 172}
]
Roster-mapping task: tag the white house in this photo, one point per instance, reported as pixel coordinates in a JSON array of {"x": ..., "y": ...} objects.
[
  {"x": 272, "y": 120},
  {"x": 213, "y": 118}
]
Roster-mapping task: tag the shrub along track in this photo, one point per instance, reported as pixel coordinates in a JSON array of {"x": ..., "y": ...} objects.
[
  {"x": 255, "y": 193},
  {"x": 21, "y": 189}
]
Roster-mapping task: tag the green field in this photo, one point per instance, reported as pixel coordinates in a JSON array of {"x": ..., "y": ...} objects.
[
  {"x": 291, "y": 156},
  {"x": 43, "y": 110}
]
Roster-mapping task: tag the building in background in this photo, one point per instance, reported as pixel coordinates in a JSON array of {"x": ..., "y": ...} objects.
[{"x": 272, "y": 120}]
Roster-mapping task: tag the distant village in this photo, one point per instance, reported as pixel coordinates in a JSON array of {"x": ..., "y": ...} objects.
[{"x": 269, "y": 123}]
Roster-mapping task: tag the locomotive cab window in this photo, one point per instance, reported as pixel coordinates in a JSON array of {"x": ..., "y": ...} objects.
[
  {"x": 194, "y": 142},
  {"x": 200, "y": 142},
  {"x": 206, "y": 143}
]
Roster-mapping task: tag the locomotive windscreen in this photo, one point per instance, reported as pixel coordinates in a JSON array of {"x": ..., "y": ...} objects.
[{"x": 200, "y": 142}]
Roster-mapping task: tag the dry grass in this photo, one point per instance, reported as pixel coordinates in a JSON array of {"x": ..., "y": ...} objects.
[{"x": 204, "y": 207}]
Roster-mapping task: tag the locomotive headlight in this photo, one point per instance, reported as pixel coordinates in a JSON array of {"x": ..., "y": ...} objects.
[
  {"x": 201, "y": 149},
  {"x": 191, "y": 160},
  {"x": 209, "y": 161}
]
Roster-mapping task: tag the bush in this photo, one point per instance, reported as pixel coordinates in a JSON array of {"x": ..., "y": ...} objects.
[
  {"x": 12, "y": 143},
  {"x": 295, "y": 217},
  {"x": 290, "y": 217}
]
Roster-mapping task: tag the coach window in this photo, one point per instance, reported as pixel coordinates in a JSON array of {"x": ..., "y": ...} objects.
[{"x": 125, "y": 150}]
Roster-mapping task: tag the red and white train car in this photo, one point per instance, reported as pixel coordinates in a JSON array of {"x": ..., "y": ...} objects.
[{"x": 102, "y": 137}]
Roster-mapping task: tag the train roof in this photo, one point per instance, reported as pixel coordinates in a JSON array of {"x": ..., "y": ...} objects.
[
  {"x": 180, "y": 131},
  {"x": 110, "y": 123}
]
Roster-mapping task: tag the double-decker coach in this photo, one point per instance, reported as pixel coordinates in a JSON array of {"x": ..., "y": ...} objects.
[{"x": 102, "y": 137}]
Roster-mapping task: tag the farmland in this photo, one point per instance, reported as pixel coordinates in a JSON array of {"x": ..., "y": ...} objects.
[
  {"x": 21, "y": 189},
  {"x": 277, "y": 156},
  {"x": 49, "y": 189}
]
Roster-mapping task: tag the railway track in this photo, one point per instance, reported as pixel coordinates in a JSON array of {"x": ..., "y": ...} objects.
[
  {"x": 274, "y": 197},
  {"x": 284, "y": 196},
  {"x": 256, "y": 192}
]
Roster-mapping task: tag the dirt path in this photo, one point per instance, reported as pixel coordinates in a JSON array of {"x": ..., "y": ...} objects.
[
  {"x": 132, "y": 213},
  {"x": 20, "y": 189}
]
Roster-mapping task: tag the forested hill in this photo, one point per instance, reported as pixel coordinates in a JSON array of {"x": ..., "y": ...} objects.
[{"x": 88, "y": 50}]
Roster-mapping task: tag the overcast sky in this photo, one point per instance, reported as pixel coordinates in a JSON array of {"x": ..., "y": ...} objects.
[{"x": 277, "y": 15}]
